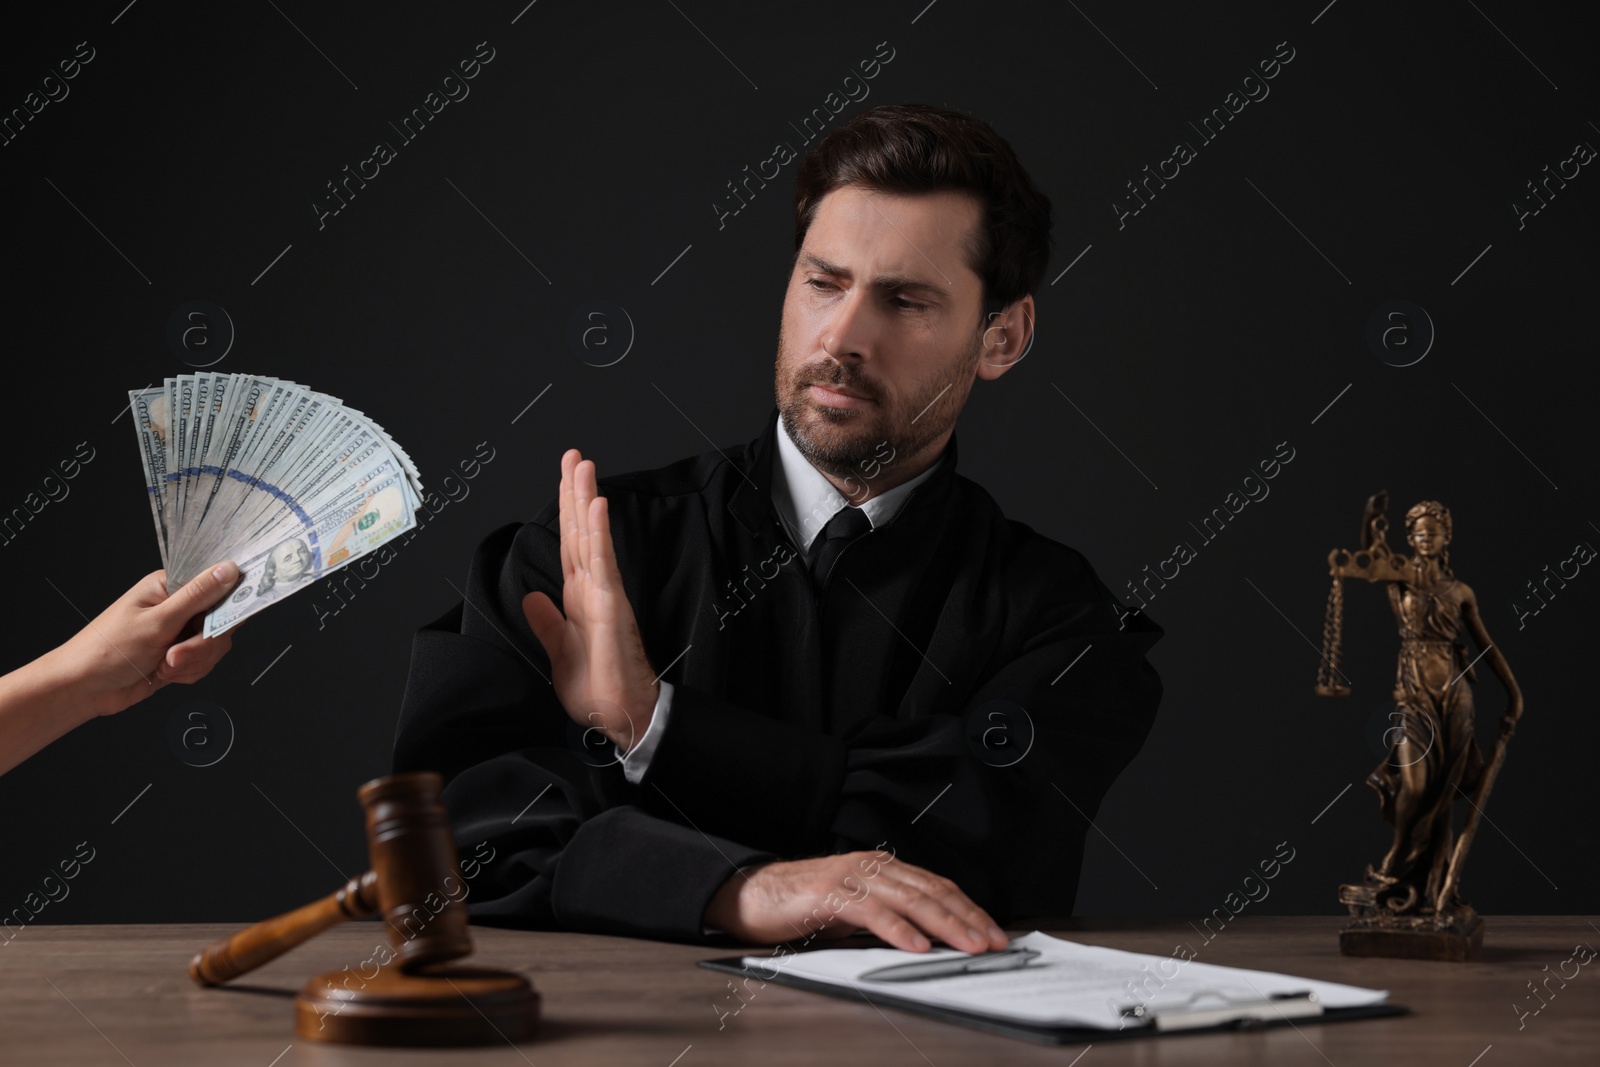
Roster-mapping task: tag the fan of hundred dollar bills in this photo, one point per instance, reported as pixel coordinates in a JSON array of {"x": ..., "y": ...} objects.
[{"x": 285, "y": 481}]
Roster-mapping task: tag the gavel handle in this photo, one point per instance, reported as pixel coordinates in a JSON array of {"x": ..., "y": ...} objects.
[{"x": 271, "y": 938}]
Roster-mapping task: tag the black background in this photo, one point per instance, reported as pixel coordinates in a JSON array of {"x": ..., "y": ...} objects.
[{"x": 1197, "y": 337}]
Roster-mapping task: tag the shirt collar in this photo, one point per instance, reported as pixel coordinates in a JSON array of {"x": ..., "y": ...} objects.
[{"x": 806, "y": 500}]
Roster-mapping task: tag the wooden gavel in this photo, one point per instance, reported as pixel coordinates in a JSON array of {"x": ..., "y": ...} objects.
[{"x": 413, "y": 862}]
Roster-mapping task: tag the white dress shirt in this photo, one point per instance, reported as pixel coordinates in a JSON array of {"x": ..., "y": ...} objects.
[{"x": 805, "y": 500}]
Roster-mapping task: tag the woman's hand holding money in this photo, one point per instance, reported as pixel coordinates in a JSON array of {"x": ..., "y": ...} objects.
[{"x": 145, "y": 640}]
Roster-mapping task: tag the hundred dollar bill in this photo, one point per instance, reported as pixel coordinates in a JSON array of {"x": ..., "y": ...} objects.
[
  {"x": 149, "y": 407},
  {"x": 182, "y": 413},
  {"x": 284, "y": 424},
  {"x": 169, "y": 487},
  {"x": 243, "y": 405},
  {"x": 222, "y": 467},
  {"x": 380, "y": 513},
  {"x": 207, "y": 391}
]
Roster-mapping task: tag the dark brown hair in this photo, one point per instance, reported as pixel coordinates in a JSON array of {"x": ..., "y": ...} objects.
[{"x": 917, "y": 148}]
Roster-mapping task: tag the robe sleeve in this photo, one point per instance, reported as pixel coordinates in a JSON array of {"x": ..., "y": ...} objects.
[
  {"x": 552, "y": 822},
  {"x": 1006, "y": 824}
]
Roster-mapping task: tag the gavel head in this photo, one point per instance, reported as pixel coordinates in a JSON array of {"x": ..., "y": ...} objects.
[{"x": 420, "y": 891}]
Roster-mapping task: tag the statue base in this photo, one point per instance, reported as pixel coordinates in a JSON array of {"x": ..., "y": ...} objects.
[{"x": 1455, "y": 936}]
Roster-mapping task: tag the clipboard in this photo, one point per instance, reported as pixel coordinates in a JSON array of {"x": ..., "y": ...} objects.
[{"x": 1248, "y": 1017}]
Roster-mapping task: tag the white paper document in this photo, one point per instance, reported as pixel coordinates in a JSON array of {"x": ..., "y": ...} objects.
[{"x": 1069, "y": 984}]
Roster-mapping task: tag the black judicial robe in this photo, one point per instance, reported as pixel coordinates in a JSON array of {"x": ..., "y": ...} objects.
[{"x": 797, "y": 727}]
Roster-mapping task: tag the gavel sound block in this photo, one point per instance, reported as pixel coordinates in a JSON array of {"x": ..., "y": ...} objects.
[{"x": 414, "y": 998}]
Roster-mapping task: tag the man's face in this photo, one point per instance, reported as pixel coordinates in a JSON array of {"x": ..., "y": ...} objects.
[{"x": 881, "y": 328}]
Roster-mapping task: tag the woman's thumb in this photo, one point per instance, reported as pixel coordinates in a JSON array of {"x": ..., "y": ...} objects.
[{"x": 204, "y": 591}]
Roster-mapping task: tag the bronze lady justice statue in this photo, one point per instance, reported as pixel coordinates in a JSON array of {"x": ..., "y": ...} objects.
[{"x": 1408, "y": 905}]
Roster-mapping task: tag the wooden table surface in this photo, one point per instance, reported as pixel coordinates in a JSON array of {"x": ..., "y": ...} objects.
[{"x": 88, "y": 995}]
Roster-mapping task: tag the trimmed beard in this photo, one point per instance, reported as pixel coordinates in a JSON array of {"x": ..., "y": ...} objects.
[{"x": 843, "y": 459}]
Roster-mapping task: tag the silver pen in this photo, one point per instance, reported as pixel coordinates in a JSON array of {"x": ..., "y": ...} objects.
[{"x": 1005, "y": 960}]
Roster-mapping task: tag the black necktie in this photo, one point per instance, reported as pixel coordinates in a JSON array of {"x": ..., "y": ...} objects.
[{"x": 847, "y": 524}]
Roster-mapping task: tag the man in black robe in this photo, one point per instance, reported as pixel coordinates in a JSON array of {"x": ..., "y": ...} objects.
[{"x": 833, "y": 687}]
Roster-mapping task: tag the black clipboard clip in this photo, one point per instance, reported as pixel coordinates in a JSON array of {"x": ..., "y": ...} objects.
[{"x": 1241, "y": 1012}]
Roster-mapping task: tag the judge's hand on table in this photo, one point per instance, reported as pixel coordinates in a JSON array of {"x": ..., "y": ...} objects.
[
  {"x": 902, "y": 904},
  {"x": 600, "y": 671},
  {"x": 145, "y": 640}
]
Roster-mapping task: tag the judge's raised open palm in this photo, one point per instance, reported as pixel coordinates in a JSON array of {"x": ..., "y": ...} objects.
[{"x": 600, "y": 671}]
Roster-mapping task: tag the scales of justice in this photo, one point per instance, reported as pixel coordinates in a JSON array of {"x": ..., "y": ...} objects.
[{"x": 1409, "y": 904}]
